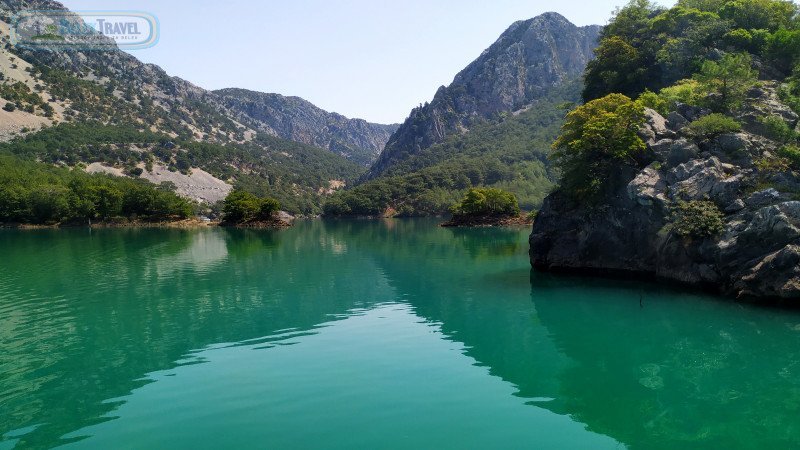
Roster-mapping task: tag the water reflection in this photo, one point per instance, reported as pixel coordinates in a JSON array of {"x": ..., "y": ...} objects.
[
  {"x": 681, "y": 370},
  {"x": 377, "y": 323},
  {"x": 83, "y": 318}
]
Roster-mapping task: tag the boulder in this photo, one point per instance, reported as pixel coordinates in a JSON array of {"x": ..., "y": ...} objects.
[
  {"x": 648, "y": 188},
  {"x": 761, "y": 198},
  {"x": 732, "y": 143},
  {"x": 661, "y": 149},
  {"x": 705, "y": 179},
  {"x": 655, "y": 127},
  {"x": 681, "y": 151},
  {"x": 691, "y": 113},
  {"x": 676, "y": 122},
  {"x": 776, "y": 275}
]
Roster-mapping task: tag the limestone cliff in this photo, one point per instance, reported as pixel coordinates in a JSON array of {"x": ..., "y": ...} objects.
[{"x": 631, "y": 229}]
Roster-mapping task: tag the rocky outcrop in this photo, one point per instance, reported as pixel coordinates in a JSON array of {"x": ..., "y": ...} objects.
[
  {"x": 631, "y": 230},
  {"x": 528, "y": 60},
  {"x": 298, "y": 120}
]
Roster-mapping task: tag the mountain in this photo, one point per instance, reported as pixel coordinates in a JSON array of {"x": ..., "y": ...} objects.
[
  {"x": 492, "y": 126},
  {"x": 298, "y": 120},
  {"x": 528, "y": 60},
  {"x": 104, "y": 110},
  {"x": 511, "y": 155}
]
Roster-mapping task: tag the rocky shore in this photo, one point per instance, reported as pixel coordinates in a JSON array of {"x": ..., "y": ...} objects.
[{"x": 632, "y": 229}]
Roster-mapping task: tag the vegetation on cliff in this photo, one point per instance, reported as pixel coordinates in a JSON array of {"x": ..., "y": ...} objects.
[
  {"x": 705, "y": 191},
  {"x": 649, "y": 47},
  {"x": 596, "y": 138}
]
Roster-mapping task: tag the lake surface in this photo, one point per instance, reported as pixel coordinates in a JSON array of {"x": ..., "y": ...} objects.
[{"x": 359, "y": 334}]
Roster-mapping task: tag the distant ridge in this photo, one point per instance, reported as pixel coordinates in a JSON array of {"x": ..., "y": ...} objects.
[{"x": 297, "y": 119}]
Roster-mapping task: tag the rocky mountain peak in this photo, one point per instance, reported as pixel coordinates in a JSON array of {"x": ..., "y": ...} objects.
[{"x": 529, "y": 59}]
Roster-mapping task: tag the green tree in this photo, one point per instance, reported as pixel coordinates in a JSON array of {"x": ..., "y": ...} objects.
[
  {"x": 487, "y": 202},
  {"x": 596, "y": 138},
  {"x": 107, "y": 201},
  {"x": 713, "y": 125},
  {"x": 48, "y": 203},
  {"x": 726, "y": 82},
  {"x": 760, "y": 14},
  {"x": 242, "y": 207},
  {"x": 616, "y": 68},
  {"x": 268, "y": 208},
  {"x": 783, "y": 49}
]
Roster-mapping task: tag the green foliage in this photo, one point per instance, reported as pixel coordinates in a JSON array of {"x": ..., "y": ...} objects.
[
  {"x": 726, "y": 82},
  {"x": 650, "y": 99},
  {"x": 511, "y": 156},
  {"x": 479, "y": 202},
  {"x": 37, "y": 193},
  {"x": 21, "y": 96},
  {"x": 596, "y": 138},
  {"x": 242, "y": 207},
  {"x": 783, "y": 49},
  {"x": 769, "y": 15},
  {"x": 292, "y": 172},
  {"x": 792, "y": 154},
  {"x": 648, "y": 47},
  {"x": 10, "y": 107},
  {"x": 684, "y": 91},
  {"x": 790, "y": 91},
  {"x": 772, "y": 165},
  {"x": 616, "y": 68},
  {"x": 777, "y": 129},
  {"x": 714, "y": 125},
  {"x": 697, "y": 218}
]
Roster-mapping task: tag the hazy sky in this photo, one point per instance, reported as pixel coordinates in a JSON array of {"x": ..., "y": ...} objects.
[{"x": 362, "y": 58}]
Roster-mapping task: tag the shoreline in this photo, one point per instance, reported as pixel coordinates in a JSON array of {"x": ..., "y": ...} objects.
[
  {"x": 487, "y": 222},
  {"x": 177, "y": 224}
]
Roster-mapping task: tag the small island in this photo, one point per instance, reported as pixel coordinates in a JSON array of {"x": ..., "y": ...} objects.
[
  {"x": 246, "y": 210},
  {"x": 487, "y": 207}
]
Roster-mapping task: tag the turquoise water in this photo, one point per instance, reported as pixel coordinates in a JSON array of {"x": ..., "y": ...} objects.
[{"x": 384, "y": 334}]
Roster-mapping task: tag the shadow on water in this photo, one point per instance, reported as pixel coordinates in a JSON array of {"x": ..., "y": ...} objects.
[
  {"x": 680, "y": 369},
  {"x": 646, "y": 364}
]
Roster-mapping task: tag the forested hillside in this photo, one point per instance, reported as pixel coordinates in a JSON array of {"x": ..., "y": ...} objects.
[
  {"x": 105, "y": 109},
  {"x": 510, "y": 155}
]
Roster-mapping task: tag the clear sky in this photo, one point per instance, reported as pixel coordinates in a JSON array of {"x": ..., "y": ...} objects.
[{"x": 361, "y": 58}]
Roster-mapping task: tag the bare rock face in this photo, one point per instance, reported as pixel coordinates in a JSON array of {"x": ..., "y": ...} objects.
[
  {"x": 528, "y": 60},
  {"x": 757, "y": 255},
  {"x": 298, "y": 120}
]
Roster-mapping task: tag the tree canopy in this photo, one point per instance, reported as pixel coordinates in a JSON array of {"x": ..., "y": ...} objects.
[
  {"x": 649, "y": 47},
  {"x": 487, "y": 202},
  {"x": 596, "y": 138}
]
